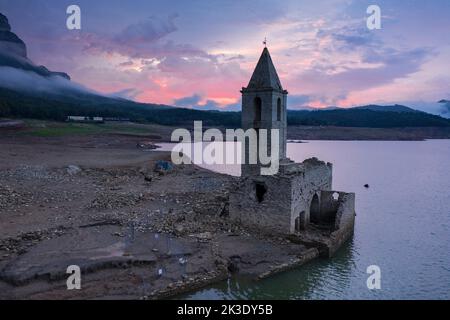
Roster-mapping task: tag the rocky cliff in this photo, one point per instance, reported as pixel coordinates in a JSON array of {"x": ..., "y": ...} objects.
[{"x": 13, "y": 52}]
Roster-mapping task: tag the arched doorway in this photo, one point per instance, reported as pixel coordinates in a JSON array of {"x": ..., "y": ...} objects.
[
  {"x": 314, "y": 211},
  {"x": 260, "y": 190},
  {"x": 300, "y": 222}
]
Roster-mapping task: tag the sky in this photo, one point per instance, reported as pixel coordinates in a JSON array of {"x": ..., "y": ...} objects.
[{"x": 200, "y": 53}]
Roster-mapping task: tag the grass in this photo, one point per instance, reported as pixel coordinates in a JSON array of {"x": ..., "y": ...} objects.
[{"x": 58, "y": 129}]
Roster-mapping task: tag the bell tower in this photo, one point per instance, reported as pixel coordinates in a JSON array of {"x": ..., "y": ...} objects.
[
  {"x": 264, "y": 107},
  {"x": 287, "y": 199}
]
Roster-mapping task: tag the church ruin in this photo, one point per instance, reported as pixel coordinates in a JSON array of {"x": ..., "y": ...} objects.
[{"x": 299, "y": 197}]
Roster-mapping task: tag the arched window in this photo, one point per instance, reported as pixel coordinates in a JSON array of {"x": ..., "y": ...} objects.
[
  {"x": 300, "y": 222},
  {"x": 261, "y": 191},
  {"x": 279, "y": 109},
  {"x": 257, "y": 108},
  {"x": 314, "y": 211}
]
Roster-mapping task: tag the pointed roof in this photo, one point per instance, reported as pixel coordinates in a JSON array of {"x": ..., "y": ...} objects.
[{"x": 265, "y": 76}]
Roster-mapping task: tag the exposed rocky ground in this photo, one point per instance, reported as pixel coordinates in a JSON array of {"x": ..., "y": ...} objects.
[{"x": 134, "y": 232}]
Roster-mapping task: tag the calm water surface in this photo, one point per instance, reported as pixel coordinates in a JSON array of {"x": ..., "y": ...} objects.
[{"x": 402, "y": 225}]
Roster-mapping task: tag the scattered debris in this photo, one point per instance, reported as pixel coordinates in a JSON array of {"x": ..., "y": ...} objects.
[
  {"x": 163, "y": 167},
  {"x": 147, "y": 145},
  {"x": 116, "y": 200},
  {"x": 73, "y": 170},
  {"x": 10, "y": 198}
]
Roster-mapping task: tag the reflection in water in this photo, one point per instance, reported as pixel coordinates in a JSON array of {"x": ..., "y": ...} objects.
[{"x": 402, "y": 225}]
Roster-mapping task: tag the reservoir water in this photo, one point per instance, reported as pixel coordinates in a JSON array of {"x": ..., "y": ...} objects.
[{"x": 402, "y": 226}]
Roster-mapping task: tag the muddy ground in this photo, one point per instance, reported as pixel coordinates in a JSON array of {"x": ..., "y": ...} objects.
[{"x": 96, "y": 201}]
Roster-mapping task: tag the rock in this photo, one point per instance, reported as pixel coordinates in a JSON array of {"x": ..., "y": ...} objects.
[
  {"x": 13, "y": 52},
  {"x": 204, "y": 236},
  {"x": 147, "y": 145},
  {"x": 4, "y": 24},
  {"x": 72, "y": 170},
  {"x": 163, "y": 167}
]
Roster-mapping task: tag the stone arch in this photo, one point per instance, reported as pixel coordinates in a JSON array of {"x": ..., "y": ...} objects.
[
  {"x": 314, "y": 209},
  {"x": 257, "y": 105},
  {"x": 279, "y": 109}
]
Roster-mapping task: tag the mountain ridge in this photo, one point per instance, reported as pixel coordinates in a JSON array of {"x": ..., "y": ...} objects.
[{"x": 13, "y": 52}]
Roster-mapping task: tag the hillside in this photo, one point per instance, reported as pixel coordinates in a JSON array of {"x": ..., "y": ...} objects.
[
  {"x": 58, "y": 106},
  {"x": 360, "y": 117}
]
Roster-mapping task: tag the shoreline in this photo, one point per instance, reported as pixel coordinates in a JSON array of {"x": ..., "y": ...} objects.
[{"x": 160, "y": 133}]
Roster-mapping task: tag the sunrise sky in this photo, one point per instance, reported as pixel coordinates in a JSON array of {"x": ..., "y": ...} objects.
[{"x": 199, "y": 53}]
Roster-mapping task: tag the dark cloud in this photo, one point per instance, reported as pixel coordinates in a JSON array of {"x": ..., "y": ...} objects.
[
  {"x": 397, "y": 64},
  {"x": 188, "y": 101},
  {"x": 195, "y": 102},
  {"x": 126, "y": 64},
  {"x": 350, "y": 37},
  {"x": 379, "y": 64},
  {"x": 130, "y": 93},
  {"x": 145, "y": 40},
  {"x": 445, "y": 107},
  {"x": 149, "y": 30},
  {"x": 295, "y": 101}
]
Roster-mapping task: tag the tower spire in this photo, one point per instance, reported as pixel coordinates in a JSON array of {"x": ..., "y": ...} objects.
[{"x": 265, "y": 75}]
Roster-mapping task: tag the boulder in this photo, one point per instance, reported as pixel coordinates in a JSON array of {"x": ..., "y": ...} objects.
[
  {"x": 163, "y": 167},
  {"x": 72, "y": 170}
]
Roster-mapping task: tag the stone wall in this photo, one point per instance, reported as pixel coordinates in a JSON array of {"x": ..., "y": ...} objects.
[
  {"x": 271, "y": 213},
  {"x": 315, "y": 178},
  {"x": 332, "y": 202},
  {"x": 344, "y": 224},
  {"x": 345, "y": 214},
  {"x": 286, "y": 197}
]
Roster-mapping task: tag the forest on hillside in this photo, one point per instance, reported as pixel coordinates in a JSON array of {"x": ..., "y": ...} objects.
[{"x": 57, "y": 107}]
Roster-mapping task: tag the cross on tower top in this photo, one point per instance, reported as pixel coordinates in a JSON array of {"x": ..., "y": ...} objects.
[{"x": 265, "y": 42}]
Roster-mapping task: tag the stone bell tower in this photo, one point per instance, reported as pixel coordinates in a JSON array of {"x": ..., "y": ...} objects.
[
  {"x": 264, "y": 107},
  {"x": 297, "y": 198}
]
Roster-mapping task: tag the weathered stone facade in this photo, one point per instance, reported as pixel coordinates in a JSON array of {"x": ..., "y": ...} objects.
[
  {"x": 264, "y": 107},
  {"x": 299, "y": 197}
]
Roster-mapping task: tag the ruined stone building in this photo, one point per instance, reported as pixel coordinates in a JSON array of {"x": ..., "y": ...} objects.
[{"x": 300, "y": 195}]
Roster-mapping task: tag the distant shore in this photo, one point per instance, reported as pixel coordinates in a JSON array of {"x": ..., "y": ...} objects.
[
  {"x": 356, "y": 133},
  {"x": 160, "y": 133}
]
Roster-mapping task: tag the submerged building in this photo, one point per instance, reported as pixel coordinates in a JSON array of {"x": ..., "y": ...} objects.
[{"x": 297, "y": 200}]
